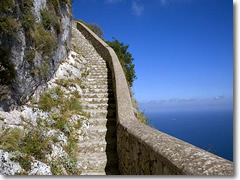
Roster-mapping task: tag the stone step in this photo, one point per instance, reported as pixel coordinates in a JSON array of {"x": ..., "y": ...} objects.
[
  {"x": 98, "y": 83},
  {"x": 99, "y": 76},
  {"x": 101, "y": 71},
  {"x": 98, "y": 100},
  {"x": 93, "y": 173},
  {"x": 97, "y": 162},
  {"x": 98, "y": 66},
  {"x": 104, "y": 75},
  {"x": 98, "y": 133},
  {"x": 92, "y": 161},
  {"x": 97, "y": 146},
  {"x": 98, "y": 106},
  {"x": 100, "y": 86},
  {"x": 102, "y": 121},
  {"x": 92, "y": 146},
  {"x": 99, "y": 79},
  {"x": 98, "y": 73},
  {"x": 97, "y": 90},
  {"x": 98, "y": 95},
  {"x": 98, "y": 61},
  {"x": 101, "y": 65},
  {"x": 101, "y": 113}
]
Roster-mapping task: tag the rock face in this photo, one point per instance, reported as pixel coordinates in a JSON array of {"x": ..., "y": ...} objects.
[
  {"x": 8, "y": 167},
  {"x": 35, "y": 38}
]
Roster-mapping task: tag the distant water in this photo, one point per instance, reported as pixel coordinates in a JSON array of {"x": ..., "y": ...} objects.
[{"x": 210, "y": 130}]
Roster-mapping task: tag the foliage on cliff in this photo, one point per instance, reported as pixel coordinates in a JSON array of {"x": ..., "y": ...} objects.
[
  {"x": 97, "y": 29},
  {"x": 125, "y": 59}
]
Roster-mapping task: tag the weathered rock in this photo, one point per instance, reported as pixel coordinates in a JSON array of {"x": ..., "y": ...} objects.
[
  {"x": 32, "y": 68},
  {"x": 8, "y": 167},
  {"x": 39, "y": 168}
]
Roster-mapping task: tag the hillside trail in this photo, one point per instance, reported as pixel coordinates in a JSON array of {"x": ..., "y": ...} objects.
[{"x": 97, "y": 149}]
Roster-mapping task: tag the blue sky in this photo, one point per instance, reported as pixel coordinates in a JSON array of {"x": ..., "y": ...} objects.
[{"x": 183, "y": 49}]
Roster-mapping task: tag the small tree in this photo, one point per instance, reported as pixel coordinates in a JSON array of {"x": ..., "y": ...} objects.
[
  {"x": 97, "y": 29},
  {"x": 125, "y": 59}
]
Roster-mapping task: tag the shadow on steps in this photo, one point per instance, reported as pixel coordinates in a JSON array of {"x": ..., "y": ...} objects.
[{"x": 111, "y": 135}]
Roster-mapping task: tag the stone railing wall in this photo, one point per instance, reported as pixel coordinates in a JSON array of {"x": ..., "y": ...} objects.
[{"x": 142, "y": 149}]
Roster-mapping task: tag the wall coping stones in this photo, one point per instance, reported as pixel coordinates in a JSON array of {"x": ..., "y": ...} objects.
[{"x": 179, "y": 156}]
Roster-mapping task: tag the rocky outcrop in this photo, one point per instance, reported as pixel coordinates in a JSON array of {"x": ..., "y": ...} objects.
[
  {"x": 35, "y": 38},
  {"x": 40, "y": 137}
]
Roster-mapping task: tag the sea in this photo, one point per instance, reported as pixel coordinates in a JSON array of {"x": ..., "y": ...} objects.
[{"x": 209, "y": 130}]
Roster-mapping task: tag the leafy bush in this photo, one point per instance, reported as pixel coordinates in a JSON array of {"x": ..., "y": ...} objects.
[
  {"x": 47, "y": 44},
  {"x": 60, "y": 121},
  {"x": 55, "y": 4},
  {"x": 35, "y": 144},
  {"x": 27, "y": 4},
  {"x": 7, "y": 70},
  {"x": 47, "y": 101},
  {"x": 64, "y": 2},
  {"x": 10, "y": 139},
  {"x": 48, "y": 19},
  {"x": 28, "y": 20},
  {"x": 125, "y": 59},
  {"x": 73, "y": 105},
  {"x": 30, "y": 54},
  {"x": 97, "y": 29},
  {"x": 6, "y": 5},
  {"x": 71, "y": 163},
  {"x": 8, "y": 26}
]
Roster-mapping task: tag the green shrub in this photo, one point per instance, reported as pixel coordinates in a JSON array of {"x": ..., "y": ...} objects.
[
  {"x": 97, "y": 29},
  {"x": 55, "y": 4},
  {"x": 48, "y": 19},
  {"x": 56, "y": 168},
  {"x": 35, "y": 144},
  {"x": 10, "y": 139},
  {"x": 25, "y": 162},
  {"x": 30, "y": 55},
  {"x": 60, "y": 121},
  {"x": 125, "y": 59},
  {"x": 76, "y": 94},
  {"x": 64, "y": 2},
  {"x": 73, "y": 105},
  {"x": 70, "y": 163},
  {"x": 8, "y": 26},
  {"x": 94, "y": 27},
  {"x": 27, "y": 4},
  {"x": 44, "y": 70},
  {"x": 78, "y": 124},
  {"x": 46, "y": 102},
  {"x": 28, "y": 20},
  {"x": 6, "y": 5},
  {"x": 7, "y": 70},
  {"x": 47, "y": 44}
]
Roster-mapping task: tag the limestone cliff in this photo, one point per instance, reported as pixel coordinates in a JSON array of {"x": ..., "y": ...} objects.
[{"x": 34, "y": 38}]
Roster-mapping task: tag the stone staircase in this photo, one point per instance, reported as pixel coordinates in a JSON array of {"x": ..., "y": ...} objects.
[{"x": 97, "y": 149}]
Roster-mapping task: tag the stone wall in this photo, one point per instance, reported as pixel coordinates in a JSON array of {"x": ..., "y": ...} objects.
[{"x": 142, "y": 149}]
